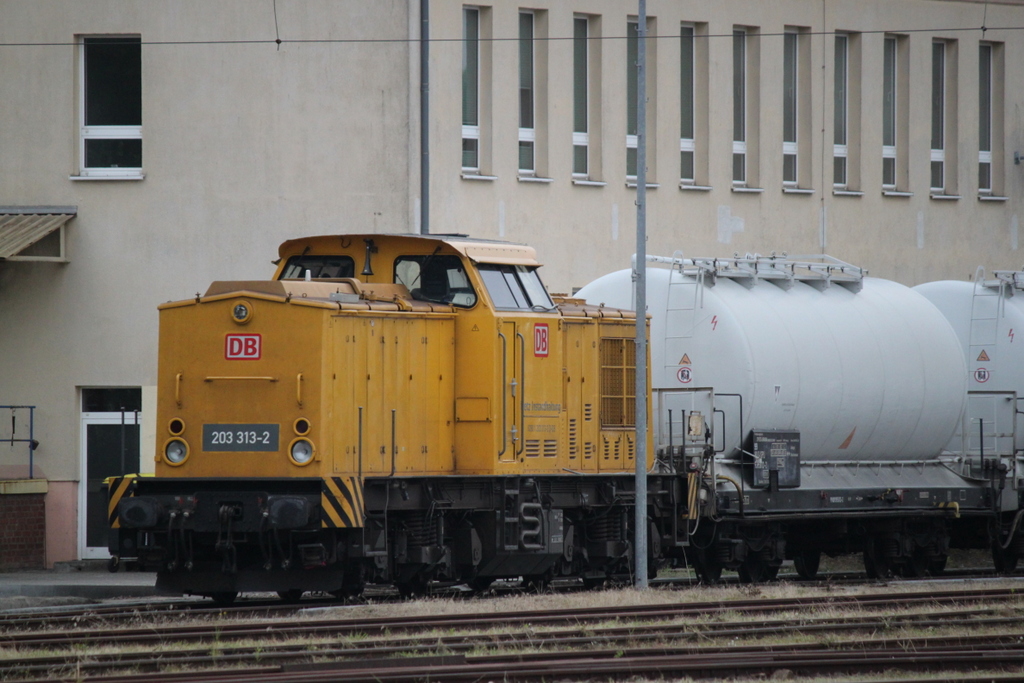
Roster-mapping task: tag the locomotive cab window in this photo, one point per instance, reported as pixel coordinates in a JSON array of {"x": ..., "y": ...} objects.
[
  {"x": 440, "y": 279},
  {"x": 515, "y": 287},
  {"x": 319, "y": 267}
]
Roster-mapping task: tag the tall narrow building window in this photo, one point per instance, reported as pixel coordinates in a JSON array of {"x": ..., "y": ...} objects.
[
  {"x": 841, "y": 113},
  {"x": 938, "y": 154},
  {"x": 580, "y": 97},
  {"x": 739, "y": 106},
  {"x": 111, "y": 106},
  {"x": 789, "y": 108},
  {"x": 527, "y": 99},
  {"x": 632, "y": 55},
  {"x": 985, "y": 118},
  {"x": 687, "y": 106},
  {"x": 889, "y": 104},
  {"x": 470, "y": 89}
]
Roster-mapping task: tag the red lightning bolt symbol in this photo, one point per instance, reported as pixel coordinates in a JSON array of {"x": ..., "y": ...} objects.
[
  {"x": 1011, "y": 335},
  {"x": 714, "y": 322}
]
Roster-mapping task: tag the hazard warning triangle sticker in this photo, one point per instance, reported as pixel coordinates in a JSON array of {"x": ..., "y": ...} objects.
[
  {"x": 983, "y": 356},
  {"x": 685, "y": 360}
]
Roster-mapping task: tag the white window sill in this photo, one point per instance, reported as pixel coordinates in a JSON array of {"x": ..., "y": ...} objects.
[
  {"x": 535, "y": 179},
  {"x": 477, "y": 176},
  {"x": 945, "y": 197},
  {"x": 797, "y": 190},
  {"x": 140, "y": 176},
  {"x": 992, "y": 198},
  {"x": 896, "y": 193},
  {"x": 743, "y": 189},
  {"x": 847, "y": 193},
  {"x": 689, "y": 187},
  {"x": 632, "y": 184},
  {"x": 588, "y": 183}
]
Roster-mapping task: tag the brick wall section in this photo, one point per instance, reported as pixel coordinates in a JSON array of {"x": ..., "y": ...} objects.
[{"x": 22, "y": 531}]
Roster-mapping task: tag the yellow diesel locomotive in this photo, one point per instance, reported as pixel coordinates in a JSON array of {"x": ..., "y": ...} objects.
[{"x": 390, "y": 409}]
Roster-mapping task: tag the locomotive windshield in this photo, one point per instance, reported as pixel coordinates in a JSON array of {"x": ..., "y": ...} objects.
[
  {"x": 515, "y": 287},
  {"x": 319, "y": 267},
  {"x": 440, "y": 279}
]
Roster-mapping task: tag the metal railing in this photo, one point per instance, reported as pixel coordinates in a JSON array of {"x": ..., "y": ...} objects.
[{"x": 30, "y": 441}]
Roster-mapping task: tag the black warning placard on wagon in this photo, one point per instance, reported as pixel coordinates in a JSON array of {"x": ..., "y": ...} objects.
[{"x": 241, "y": 437}]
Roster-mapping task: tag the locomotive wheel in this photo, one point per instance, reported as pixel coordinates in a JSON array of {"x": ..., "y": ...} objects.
[
  {"x": 224, "y": 598},
  {"x": 916, "y": 566},
  {"x": 290, "y": 596},
  {"x": 707, "y": 567},
  {"x": 757, "y": 570},
  {"x": 807, "y": 563}
]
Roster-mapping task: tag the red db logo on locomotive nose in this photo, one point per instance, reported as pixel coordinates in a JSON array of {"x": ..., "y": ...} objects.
[
  {"x": 243, "y": 347},
  {"x": 540, "y": 340}
]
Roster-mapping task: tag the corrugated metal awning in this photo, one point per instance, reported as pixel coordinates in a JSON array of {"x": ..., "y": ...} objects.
[{"x": 23, "y": 226}]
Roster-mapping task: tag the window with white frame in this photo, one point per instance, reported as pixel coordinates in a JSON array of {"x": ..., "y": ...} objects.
[
  {"x": 739, "y": 106},
  {"x": 111, "y": 106},
  {"x": 470, "y": 89},
  {"x": 938, "y": 147},
  {"x": 985, "y": 118},
  {"x": 687, "y": 106},
  {"x": 889, "y": 113},
  {"x": 527, "y": 96},
  {"x": 580, "y": 97},
  {"x": 841, "y": 112},
  {"x": 632, "y": 108}
]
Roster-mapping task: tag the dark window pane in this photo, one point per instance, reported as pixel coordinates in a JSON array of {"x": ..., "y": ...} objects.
[
  {"x": 985, "y": 98},
  {"x": 789, "y": 88},
  {"x": 889, "y": 93},
  {"x": 839, "y": 171},
  {"x": 631, "y": 161},
  {"x": 789, "y": 168},
  {"x": 889, "y": 171},
  {"x": 686, "y": 84},
  {"x": 686, "y": 165},
  {"x": 440, "y": 279},
  {"x": 839, "y": 137},
  {"x": 318, "y": 267},
  {"x": 938, "y": 96},
  {"x": 469, "y": 153},
  {"x": 739, "y": 86},
  {"x": 739, "y": 168},
  {"x": 525, "y": 156},
  {"x": 937, "y": 175},
  {"x": 111, "y": 400},
  {"x": 985, "y": 176},
  {"x": 525, "y": 70},
  {"x": 579, "y": 159},
  {"x": 113, "y": 81},
  {"x": 112, "y": 153},
  {"x": 632, "y": 56},
  {"x": 470, "y": 66},
  {"x": 579, "y": 76}
]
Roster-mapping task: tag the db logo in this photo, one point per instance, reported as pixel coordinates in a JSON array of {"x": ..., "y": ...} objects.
[
  {"x": 243, "y": 347},
  {"x": 540, "y": 340}
]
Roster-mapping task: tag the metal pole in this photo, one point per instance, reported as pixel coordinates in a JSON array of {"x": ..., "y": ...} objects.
[
  {"x": 425, "y": 117},
  {"x": 640, "y": 277}
]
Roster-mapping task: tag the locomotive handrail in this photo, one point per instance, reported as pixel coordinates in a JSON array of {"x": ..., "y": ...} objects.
[
  {"x": 504, "y": 394},
  {"x": 240, "y": 377},
  {"x": 522, "y": 389},
  {"x": 298, "y": 389}
]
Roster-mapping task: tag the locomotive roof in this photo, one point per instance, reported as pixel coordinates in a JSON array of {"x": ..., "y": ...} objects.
[{"x": 478, "y": 250}]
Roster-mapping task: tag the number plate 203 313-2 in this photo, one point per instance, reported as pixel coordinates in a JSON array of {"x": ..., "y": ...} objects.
[{"x": 241, "y": 437}]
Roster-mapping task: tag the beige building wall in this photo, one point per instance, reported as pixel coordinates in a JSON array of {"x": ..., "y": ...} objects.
[{"x": 247, "y": 142}]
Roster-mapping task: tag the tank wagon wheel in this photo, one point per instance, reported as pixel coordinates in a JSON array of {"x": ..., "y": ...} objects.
[
  {"x": 875, "y": 565},
  {"x": 292, "y": 595},
  {"x": 756, "y": 569},
  {"x": 806, "y": 564},
  {"x": 224, "y": 598},
  {"x": 1004, "y": 561},
  {"x": 915, "y": 567}
]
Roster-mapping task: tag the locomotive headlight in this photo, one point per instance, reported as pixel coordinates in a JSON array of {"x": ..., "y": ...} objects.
[
  {"x": 242, "y": 312},
  {"x": 175, "y": 451},
  {"x": 301, "y": 451}
]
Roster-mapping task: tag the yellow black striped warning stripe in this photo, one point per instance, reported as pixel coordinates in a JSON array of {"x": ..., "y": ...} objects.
[
  {"x": 116, "y": 488},
  {"x": 341, "y": 501}
]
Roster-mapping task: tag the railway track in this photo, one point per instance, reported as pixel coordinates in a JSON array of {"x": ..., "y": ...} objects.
[{"x": 732, "y": 637}]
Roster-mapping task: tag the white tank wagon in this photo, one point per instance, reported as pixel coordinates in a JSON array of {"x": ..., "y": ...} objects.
[
  {"x": 826, "y": 399},
  {"x": 988, "y": 318}
]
